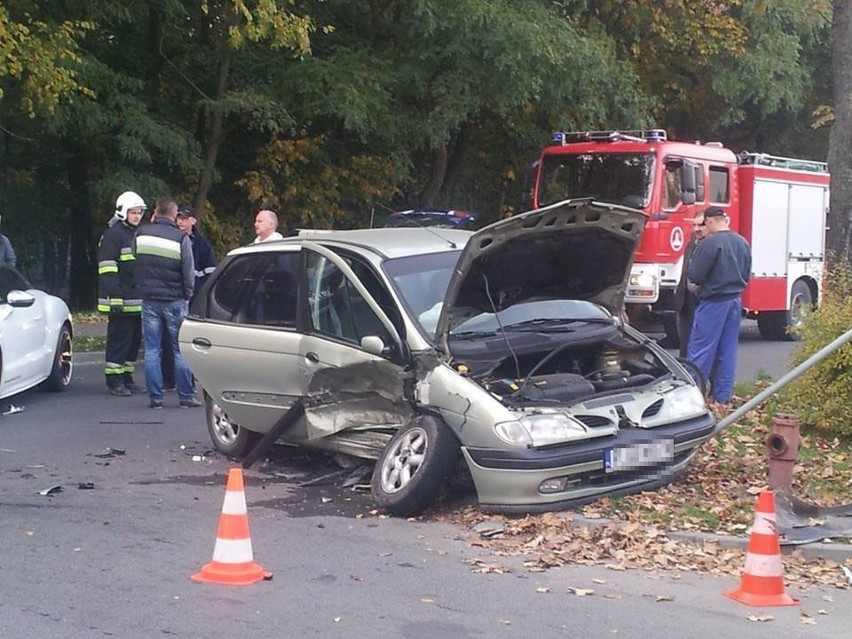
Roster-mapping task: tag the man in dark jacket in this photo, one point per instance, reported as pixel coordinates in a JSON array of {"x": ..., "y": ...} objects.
[
  {"x": 685, "y": 300},
  {"x": 720, "y": 268},
  {"x": 7, "y": 253},
  {"x": 202, "y": 251},
  {"x": 165, "y": 273},
  {"x": 117, "y": 293}
]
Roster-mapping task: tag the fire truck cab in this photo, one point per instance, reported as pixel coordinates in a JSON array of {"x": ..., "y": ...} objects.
[{"x": 778, "y": 204}]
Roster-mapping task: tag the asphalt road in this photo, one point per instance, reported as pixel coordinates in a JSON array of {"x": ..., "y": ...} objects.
[{"x": 115, "y": 559}]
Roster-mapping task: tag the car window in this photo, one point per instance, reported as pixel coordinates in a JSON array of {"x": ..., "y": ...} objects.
[
  {"x": 337, "y": 309},
  {"x": 422, "y": 281},
  {"x": 11, "y": 280},
  {"x": 257, "y": 289}
]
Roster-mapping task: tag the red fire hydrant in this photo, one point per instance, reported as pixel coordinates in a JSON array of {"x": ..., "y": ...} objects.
[{"x": 782, "y": 445}]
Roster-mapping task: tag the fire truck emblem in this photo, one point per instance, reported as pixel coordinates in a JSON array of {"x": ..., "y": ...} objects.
[{"x": 676, "y": 238}]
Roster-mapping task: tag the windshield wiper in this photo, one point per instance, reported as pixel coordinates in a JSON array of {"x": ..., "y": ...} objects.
[
  {"x": 472, "y": 334},
  {"x": 556, "y": 323}
]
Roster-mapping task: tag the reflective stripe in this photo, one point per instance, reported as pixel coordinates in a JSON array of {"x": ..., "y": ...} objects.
[
  {"x": 160, "y": 246},
  {"x": 103, "y": 263},
  {"x": 113, "y": 370},
  {"x": 235, "y": 503},
  {"x": 129, "y": 367},
  {"x": 104, "y": 270},
  {"x": 132, "y": 309},
  {"x": 764, "y": 524},
  {"x": 233, "y": 551},
  {"x": 104, "y": 308},
  {"x": 127, "y": 257},
  {"x": 763, "y": 565}
]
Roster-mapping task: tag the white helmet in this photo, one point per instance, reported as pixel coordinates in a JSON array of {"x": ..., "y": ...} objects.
[{"x": 126, "y": 201}]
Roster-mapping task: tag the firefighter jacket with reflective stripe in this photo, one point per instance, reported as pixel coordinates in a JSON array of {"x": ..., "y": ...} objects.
[
  {"x": 165, "y": 270},
  {"x": 117, "y": 292}
]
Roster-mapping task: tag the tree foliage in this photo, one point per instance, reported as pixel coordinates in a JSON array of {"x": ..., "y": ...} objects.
[
  {"x": 334, "y": 110},
  {"x": 821, "y": 396}
]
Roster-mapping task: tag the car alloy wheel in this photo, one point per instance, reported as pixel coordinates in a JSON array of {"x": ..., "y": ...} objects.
[
  {"x": 413, "y": 467},
  {"x": 404, "y": 459},
  {"x": 227, "y": 436},
  {"x": 63, "y": 364}
]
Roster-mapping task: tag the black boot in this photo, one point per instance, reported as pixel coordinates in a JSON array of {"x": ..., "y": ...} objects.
[
  {"x": 130, "y": 385},
  {"x": 117, "y": 388}
]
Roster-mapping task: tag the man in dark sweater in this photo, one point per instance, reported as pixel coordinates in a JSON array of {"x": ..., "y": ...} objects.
[
  {"x": 685, "y": 301},
  {"x": 165, "y": 273},
  {"x": 719, "y": 270}
]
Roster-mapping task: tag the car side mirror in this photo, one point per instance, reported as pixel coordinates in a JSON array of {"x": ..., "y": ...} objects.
[
  {"x": 374, "y": 345},
  {"x": 19, "y": 299}
]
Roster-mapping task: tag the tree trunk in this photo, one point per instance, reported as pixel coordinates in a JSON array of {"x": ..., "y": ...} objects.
[
  {"x": 215, "y": 135},
  {"x": 83, "y": 280},
  {"x": 430, "y": 192},
  {"x": 840, "y": 140}
]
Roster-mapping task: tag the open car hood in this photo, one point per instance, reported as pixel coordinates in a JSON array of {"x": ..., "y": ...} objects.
[{"x": 572, "y": 250}]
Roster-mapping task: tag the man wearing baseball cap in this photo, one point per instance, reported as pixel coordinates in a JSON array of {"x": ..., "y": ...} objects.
[
  {"x": 720, "y": 269},
  {"x": 202, "y": 251}
]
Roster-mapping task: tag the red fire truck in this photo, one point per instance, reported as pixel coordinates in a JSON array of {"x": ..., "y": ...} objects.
[{"x": 778, "y": 204}]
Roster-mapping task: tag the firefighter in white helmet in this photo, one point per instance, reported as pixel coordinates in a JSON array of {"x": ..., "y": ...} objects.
[{"x": 117, "y": 294}]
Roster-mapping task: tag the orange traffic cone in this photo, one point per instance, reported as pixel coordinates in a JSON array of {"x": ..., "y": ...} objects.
[
  {"x": 233, "y": 563},
  {"x": 763, "y": 578}
]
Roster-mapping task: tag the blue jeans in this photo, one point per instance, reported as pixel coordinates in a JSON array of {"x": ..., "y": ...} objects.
[
  {"x": 157, "y": 317},
  {"x": 713, "y": 344}
]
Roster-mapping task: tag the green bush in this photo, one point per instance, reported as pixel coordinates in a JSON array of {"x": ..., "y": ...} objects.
[{"x": 822, "y": 397}]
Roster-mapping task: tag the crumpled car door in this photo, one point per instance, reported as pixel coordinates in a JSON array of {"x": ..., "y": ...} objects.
[{"x": 348, "y": 384}]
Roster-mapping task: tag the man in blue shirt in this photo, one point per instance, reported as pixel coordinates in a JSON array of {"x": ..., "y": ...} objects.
[{"x": 719, "y": 271}]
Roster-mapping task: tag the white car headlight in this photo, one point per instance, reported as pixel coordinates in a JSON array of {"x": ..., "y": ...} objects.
[
  {"x": 541, "y": 430},
  {"x": 681, "y": 403}
]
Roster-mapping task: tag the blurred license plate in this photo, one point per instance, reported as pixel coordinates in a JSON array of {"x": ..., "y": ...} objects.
[{"x": 638, "y": 455}]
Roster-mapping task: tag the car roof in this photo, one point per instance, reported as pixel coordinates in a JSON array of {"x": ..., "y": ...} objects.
[{"x": 387, "y": 243}]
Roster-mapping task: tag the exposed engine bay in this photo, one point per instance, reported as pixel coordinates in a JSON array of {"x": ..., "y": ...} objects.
[{"x": 565, "y": 373}]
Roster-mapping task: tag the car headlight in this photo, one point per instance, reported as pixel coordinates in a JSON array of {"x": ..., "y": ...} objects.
[
  {"x": 643, "y": 280},
  {"x": 681, "y": 403},
  {"x": 541, "y": 430}
]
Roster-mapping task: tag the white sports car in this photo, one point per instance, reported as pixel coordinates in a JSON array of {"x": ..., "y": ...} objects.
[{"x": 35, "y": 337}]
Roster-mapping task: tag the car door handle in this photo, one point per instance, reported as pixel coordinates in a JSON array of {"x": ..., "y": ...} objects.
[
  {"x": 202, "y": 342},
  {"x": 312, "y": 357}
]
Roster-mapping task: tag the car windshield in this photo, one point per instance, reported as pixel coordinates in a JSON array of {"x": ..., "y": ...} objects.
[
  {"x": 618, "y": 178},
  {"x": 540, "y": 316},
  {"x": 422, "y": 281}
]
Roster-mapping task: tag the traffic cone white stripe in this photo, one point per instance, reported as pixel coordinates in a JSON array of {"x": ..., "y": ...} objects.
[
  {"x": 235, "y": 503},
  {"x": 764, "y": 565},
  {"x": 765, "y": 524},
  {"x": 233, "y": 551}
]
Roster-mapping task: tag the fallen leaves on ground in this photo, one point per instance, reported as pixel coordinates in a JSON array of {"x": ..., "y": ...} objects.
[{"x": 716, "y": 494}]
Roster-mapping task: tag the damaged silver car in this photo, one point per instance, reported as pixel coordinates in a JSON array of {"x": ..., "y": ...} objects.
[{"x": 412, "y": 346}]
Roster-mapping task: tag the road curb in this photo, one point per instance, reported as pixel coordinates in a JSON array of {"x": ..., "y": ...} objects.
[{"x": 839, "y": 553}]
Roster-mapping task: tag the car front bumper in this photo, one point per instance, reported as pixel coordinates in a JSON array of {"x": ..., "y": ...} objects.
[{"x": 509, "y": 480}]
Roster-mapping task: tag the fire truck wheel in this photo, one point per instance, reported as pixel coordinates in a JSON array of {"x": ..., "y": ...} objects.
[
  {"x": 781, "y": 325},
  {"x": 801, "y": 303}
]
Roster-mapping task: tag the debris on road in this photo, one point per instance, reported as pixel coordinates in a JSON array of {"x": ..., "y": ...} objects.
[
  {"x": 12, "y": 409},
  {"x": 51, "y": 490},
  {"x": 86, "y": 485},
  {"x": 107, "y": 453}
]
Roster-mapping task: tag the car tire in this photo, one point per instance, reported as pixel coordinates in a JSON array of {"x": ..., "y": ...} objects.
[
  {"x": 414, "y": 466},
  {"x": 63, "y": 363},
  {"x": 228, "y": 437}
]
